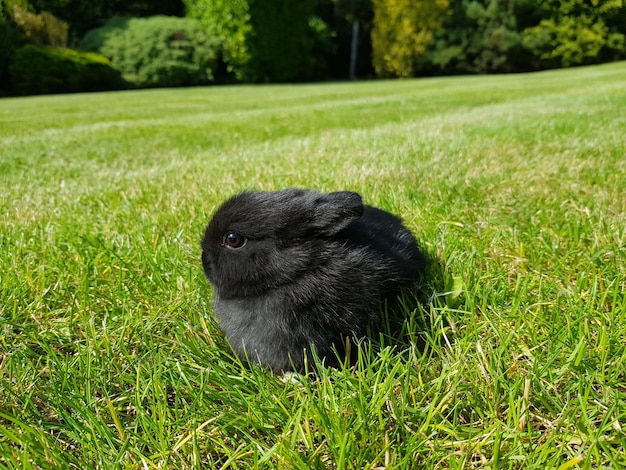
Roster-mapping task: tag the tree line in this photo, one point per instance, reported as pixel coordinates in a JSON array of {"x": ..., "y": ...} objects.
[{"x": 75, "y": 45}]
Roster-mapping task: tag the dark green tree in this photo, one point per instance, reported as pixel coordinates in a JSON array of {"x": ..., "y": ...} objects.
[
  {"x": 281, "y": 40},
  {"x": 481, "y": 36},
  {"x": 267, "y": 40},
  {"x": 10, "y": 39}
]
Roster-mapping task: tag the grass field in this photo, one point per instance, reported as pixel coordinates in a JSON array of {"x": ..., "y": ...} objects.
[{"x": 110, "y": 356}]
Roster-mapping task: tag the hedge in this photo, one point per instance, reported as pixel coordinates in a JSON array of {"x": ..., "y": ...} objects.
[{"x": 43, "y": 70}]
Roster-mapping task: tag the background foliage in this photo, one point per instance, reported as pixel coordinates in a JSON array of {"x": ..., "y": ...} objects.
[
  {"x": 42, "y": 70},
  {"x": 84, "y": 15},
  {"x": 228, "y": 21},
  {"x": 42, "y": 29},
  {"x": 288, "y": 41},
  {"x": 156, "y": 51},
  {"x": 577, "y": 32},
  {"x": 9, "y": 40},
  {"x": 267, "y": 40},
  {"x": 403, "y": 30},
  {"x": 479, "y": 37}
]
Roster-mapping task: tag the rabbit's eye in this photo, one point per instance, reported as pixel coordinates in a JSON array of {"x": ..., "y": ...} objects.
[{"x": 233, "y": 240}]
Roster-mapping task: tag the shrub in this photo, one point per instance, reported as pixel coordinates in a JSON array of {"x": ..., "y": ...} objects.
[
  {"x": 156, "y": 51},
  {"x": 42, "y": 70},
  {"x": 577, "y": 32},
  {"x": 573, "y": 41}
]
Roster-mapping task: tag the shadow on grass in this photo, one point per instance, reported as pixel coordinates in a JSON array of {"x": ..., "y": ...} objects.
[
  {"x": 408, "y": 320},
  {"x": 414, "y": 319}
]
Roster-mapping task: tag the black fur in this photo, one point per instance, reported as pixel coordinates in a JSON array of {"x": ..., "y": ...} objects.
[{"x": 315, "y": 269}]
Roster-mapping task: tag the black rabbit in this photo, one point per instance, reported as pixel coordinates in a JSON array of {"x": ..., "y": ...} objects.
[{"x": 296, "y": 269}]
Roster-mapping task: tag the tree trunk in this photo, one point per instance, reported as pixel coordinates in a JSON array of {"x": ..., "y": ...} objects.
[{"x": 354, "y": 49}]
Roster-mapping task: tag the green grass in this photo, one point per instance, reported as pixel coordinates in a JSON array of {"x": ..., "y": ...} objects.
[{"x": 110, "y": 356}]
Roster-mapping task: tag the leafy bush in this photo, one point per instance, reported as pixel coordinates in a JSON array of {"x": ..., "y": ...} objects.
[
  {"x": 156, "y": 51},
  {"x": 577, "y": 32},
  {"x": 42, "y": 70},
  {"x": 573, "y": 41}
]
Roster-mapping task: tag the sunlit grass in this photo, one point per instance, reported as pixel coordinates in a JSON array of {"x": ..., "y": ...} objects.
[{"x": 110, "y": 356}]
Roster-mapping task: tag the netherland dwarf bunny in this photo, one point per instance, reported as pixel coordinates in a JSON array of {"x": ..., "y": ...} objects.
[{"x": 297, "y": 269}]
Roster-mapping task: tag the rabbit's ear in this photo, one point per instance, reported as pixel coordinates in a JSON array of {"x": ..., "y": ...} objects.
[{"x": 335, "y": 211}]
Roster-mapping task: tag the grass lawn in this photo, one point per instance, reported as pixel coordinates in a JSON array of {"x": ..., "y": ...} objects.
[{"x": 110, "y": 356}]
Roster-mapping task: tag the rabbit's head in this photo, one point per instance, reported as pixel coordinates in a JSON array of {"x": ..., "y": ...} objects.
[{"x": 258, "y": 241}]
